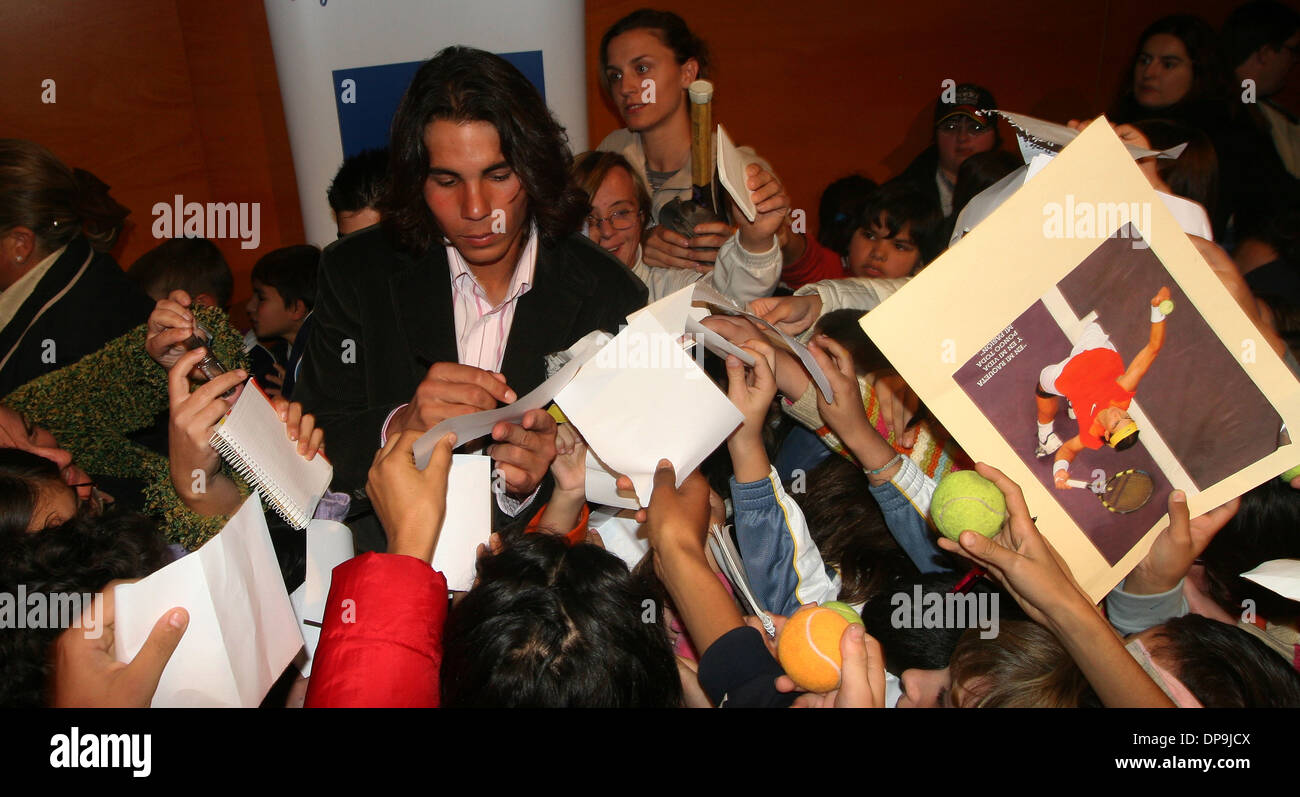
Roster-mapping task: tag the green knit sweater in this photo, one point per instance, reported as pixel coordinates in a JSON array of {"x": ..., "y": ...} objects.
[{"x": 92, "y": 405}]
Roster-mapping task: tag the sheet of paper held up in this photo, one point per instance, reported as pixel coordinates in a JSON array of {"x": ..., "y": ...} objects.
[
  {"x": 629, "y": 403},
  {"x": 242, "y": 631},
  {"x": 731, "y": 173}
]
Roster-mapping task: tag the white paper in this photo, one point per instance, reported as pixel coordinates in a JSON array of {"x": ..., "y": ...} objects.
[
  {"x": 602, "y": 485},
  {"x": 329, "y": 544},
  {"x": 705, "y": 292},
  {"x": 623, "y": 537},
  {"x": 731, "y": 172},
  {"x": 242, "y": 631},
  {"x": 1280, "y": 575},
  {"x": 1040, "y": 136},
  {"x": 642, "y": 399},
  {"x": 468, "y": 521}
]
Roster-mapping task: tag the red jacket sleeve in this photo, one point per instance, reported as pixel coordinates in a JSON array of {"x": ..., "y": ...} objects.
[
  {"x": 817, "y": 263},
  {"x": 381, "y": 643}
]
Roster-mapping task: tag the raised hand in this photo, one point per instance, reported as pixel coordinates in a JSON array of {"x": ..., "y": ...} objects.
[
  {"x": 1183, "y": 540},
  {"x": 88, "y": 675},
  {"x": 790, "y": 314},
  {"x": 410, "y": 503}
]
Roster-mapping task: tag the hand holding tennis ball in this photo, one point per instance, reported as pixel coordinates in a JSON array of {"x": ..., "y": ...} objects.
[
  {"x": 966, "y": 500},
  {"x": 859, "y": 660},
  {"x": 809, "y": 648},
  {"x": 1022, "y": 561}
]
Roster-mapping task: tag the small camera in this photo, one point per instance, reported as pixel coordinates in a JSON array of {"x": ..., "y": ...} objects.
[{"x": 209, "y": 367}]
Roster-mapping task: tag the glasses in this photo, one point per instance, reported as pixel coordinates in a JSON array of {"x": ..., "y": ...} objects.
[
  {"x": 619, "y": 219},
  {"x": 969, "y": 125}
]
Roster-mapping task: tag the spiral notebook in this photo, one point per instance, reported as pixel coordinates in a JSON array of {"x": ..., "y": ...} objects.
[{"x": 252, "y": 439}]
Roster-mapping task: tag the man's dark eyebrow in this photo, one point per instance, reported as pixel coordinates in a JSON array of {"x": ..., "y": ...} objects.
[{"x": 435, "y": 171}]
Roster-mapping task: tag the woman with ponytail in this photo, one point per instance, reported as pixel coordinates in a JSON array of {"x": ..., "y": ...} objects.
[{"x": 61, "y": 295}]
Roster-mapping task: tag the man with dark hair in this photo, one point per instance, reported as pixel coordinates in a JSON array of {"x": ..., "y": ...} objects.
[
  {"x": 476, "y": 272},
  {"x": 1261, "y": 41},
  {"x": 357, "y": 189},
  {"x": 1099, "y": 388}
]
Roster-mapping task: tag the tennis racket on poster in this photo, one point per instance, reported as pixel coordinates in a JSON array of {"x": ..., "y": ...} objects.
[{"x": 1125, "y": 492}]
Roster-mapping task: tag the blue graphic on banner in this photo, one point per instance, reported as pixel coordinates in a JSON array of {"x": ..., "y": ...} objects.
[{"x": 375, "y": 91}]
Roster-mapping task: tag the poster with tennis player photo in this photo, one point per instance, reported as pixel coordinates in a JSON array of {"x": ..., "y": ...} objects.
[
  {"x": 1089, "y": 387},
  {"x": 1085, "y": 347}
]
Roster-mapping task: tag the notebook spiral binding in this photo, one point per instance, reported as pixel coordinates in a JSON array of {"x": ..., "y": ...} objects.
[{"x": 271, "y": 493}]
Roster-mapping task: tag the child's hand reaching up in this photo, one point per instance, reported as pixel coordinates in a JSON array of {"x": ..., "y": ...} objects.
[
  {"x": 1023, "y": 561},
  {"x": 752, "y": 391},
  {"x": 410, "y": 503},
  {"x": 1030, "y": 569},
  {"x": 1178, "y": 546},
  {"x": 570, "y": 465},
  {"x": 845, "y": 416},
  {"x": 563, "y": 511}
]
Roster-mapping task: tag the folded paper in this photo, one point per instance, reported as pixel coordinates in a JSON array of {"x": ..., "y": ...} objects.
[{"x": 242, "y": 631}]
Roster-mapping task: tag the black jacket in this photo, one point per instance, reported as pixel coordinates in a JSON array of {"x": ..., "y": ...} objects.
[
  {"x": 383, "y": 317},
  {"x": 83, "y": 301}
]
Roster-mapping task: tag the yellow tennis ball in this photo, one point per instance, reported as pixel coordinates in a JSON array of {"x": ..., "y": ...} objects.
[
  {"x": 1291, "y": 474},
  {"x": 966, "y": 500},
  {"x": 844, "y": 610},
  {"x": 1166, "y": 307},
  {"x": 809, "y": 648}
]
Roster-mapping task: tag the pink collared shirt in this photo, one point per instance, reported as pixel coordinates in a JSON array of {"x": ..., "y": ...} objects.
[{"x": 481, "y": 328}]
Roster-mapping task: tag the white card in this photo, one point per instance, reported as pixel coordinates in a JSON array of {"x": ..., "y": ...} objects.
[{"x": 468, "y": 522}]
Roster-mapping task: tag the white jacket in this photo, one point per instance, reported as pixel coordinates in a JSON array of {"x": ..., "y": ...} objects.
[{"x": 739, "y": 274}]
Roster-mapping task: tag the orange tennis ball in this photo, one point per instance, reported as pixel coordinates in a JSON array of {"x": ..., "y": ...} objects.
[{"x": 809, "y": 648}]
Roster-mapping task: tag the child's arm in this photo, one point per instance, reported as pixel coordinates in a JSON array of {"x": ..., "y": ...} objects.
[
  {"x": 569, "y": 498},
  {"x": 677, "y": 521},
  {"x": 770, "y": 528},
  {"x": 1153, "y": 592},
  {"x": 749, "y": 263},
  {"x": 901, "y": 488},
  {"x": 783, "y": 565}
]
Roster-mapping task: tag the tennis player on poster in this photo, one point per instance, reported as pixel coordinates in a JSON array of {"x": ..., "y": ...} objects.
[{"x": 1099, "y": 388}]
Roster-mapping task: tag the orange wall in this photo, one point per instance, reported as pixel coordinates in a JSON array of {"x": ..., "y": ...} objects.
[
  {"x": 157, "y": 97},
  {"x": 827, "y": 87}
]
